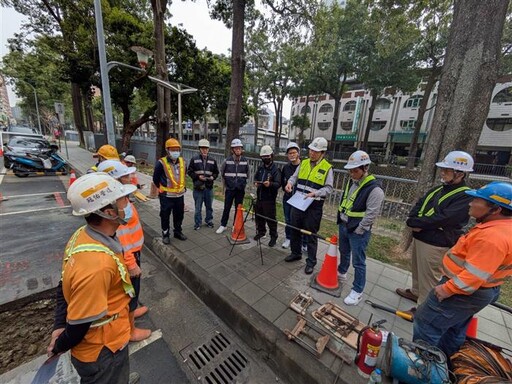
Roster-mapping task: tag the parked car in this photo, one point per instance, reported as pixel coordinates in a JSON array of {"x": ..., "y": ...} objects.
[
  {"x": 23, "y": 131},
  {"x": 26, "y": 144}
]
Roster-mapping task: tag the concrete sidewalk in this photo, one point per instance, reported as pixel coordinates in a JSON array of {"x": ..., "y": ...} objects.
[{"x": 252, "y": 297}]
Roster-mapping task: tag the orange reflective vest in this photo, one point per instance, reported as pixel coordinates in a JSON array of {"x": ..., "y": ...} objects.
[
  {"x": 481, "y": 258},
  {"x": 173, "y": 185},
  {"x": 131, "y": 237}
]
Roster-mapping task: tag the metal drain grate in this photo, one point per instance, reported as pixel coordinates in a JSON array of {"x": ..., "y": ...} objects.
[{"x": 216, "y": 361}]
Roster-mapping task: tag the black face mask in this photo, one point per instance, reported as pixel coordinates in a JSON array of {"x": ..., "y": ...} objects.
[{"x": 267, "y": 161}]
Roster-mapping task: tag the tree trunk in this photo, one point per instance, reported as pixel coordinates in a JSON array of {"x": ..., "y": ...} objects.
[
  {"x": 89, "y": 120},
  {"x": 162, "y": 119},
  {"x": 336, "y": 117},
  {"x": 256, "y": 117},
  {"x": 279, "y": 114},
  {"x": 237, "y": 74},
  {"x": 303, "y": 128},
  {"x": 364, "y": 144},
  {"x": 467, "y": 79},
  {"x": 432, "y": 78},
  {"x": 78, "y": 116}
]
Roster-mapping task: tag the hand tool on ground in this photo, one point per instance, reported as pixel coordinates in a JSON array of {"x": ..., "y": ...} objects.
[
  {"x": 47, "y": 370},
  {"x": 402, "y": 314},
  {"x": 140, "y": 196},
  {"x": 301, "y": 302}
]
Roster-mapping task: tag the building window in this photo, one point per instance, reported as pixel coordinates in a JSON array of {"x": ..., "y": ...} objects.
[
  {"x": 383, "y": 104},
  {"x": 378, "y": 125},
  {"x": 303, "y": 110},
  {"x": 503, "y": 96},
  {"x": 413, "y": 101},
  {"x": 499, "y": 125},
  {"x": 346, "y": 125},
  {"x": 323, "y": 126},
  {"x": 326, "y": 108},
  {"x": 350, "y": 106},
  {"x": 407, "y": 125}
]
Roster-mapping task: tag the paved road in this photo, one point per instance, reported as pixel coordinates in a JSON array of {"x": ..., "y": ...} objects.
[{"x": 35, "y": 224}]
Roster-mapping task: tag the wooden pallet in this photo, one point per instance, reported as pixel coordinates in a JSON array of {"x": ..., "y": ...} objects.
[{"x": 341, "y": 324}]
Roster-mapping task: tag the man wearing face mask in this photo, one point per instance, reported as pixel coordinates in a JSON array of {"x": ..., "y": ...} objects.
[
  {"x": 314, "y": 179},
  {"x": 360, "y": 205},
  {"x": 437, "y": 220},
  {"x": 131, "y": 236},
  {"x": 91, "y": 317},
  {"x": 235, "y": 173},
  {"x": 267, "y": 180},
  {"x": 169, "y": 178}
]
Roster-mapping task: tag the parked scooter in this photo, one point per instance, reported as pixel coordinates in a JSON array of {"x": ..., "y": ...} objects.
[{"x": 24, "y": 164}]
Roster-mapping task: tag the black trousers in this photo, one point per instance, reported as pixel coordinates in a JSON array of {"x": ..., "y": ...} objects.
[
  {"x": 174, "y": 205},
  {"x": 235, "y": 195},
  {"x": 136, "y": 285},
  {"x": 310, "y": 221},
  {"x": 109, "y": 368},
  {"x": 267, "y": 209}
]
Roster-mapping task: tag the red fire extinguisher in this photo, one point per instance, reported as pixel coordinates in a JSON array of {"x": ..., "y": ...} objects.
[{"x": 368, "y": 347}]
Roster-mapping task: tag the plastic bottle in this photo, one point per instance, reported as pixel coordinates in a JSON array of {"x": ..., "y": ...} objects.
[{"x": 375, "y": 377}]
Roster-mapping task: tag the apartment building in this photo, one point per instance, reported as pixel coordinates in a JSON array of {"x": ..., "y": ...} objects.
[{"x": 394, "y": 119}]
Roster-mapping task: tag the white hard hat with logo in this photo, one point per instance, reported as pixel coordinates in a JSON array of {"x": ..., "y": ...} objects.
[
  {"x": 236, "y": 143},
  {"x": 457, "y": 160},
  {"x": 116, "y": 169},
  {"x": 358, "y": 159},
  {"x": 319, "y": 144},
  {"x": 93, "y": 191},
  {"x": 292, "y": 145},
  {"x": 266, "y": 150},
  {"x": 130, "y": 159},
  {"x": 203, "y": 143}
]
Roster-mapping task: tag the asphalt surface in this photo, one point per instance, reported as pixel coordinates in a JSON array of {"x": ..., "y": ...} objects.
[{"x": 35, "y": 225}]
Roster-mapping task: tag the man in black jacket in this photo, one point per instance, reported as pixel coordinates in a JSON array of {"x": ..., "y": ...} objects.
[
  {"x": 437, "y": 221},
  {"x": 267, "y": 180},
  {"x": 203, "y": 170}
]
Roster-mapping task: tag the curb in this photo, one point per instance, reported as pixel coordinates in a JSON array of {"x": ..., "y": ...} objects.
[{"x": 288, "y": 359}]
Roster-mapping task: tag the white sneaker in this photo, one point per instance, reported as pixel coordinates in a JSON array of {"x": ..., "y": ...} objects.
[
  {"x": 342, "y": 276},
  {"x": 304, "y": 249},
  {"x": 353, "y": 298},
  {"x": 286, "y": 243},
  {"x": 221, "y": 229}
]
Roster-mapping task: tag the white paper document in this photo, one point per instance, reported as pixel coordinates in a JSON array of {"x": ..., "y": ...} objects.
[{"x": 300, "y": 201}]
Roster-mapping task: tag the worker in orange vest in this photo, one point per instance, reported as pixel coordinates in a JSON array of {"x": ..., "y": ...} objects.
[
  {"x": 130, "y": 161},
  {"x": 473, "y": 271},
  {"x": 131, "y": 237}
]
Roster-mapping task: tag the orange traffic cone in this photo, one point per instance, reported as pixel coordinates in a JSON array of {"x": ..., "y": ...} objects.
[
  {"x": 1, "y": 151},
  {"x": 238, "y": 235},
  {"x": 72, "y": 177},
  {"x": 472, "y": 327},
  {"x": 327, "y": 279}
]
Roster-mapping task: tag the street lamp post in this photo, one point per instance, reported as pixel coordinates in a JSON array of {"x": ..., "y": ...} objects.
[{"x": 37, "y": 104}]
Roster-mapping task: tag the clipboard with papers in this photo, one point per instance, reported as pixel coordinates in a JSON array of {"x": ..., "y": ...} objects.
[{"x": 300, "y": 201}]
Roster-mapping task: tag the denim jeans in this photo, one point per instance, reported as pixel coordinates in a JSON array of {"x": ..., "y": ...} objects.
[
  {"x": 352, "y": 244},
  {"x": 109, "y": 368},
  {"x": 205, "y": 196},
  {"x": 444, "y": 324}
]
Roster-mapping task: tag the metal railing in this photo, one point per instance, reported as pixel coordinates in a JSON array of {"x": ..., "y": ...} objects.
[{"x": 397, "y": 204}]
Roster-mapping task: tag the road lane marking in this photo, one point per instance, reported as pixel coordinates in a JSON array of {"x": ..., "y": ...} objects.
[
  {"x": 32, "y": 210},
  {"x": 58, "y": 199},
  {"x": 33, "y": 194},
  {"x": 135, "y": 346}
]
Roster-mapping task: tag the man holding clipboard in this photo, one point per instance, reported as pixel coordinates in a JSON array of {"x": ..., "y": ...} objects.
[{"x": 313, "y": 181}]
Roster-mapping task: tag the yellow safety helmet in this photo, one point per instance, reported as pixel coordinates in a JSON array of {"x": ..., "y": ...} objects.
[
  {"x": 172, "y": 143},
  {"x": 108, "y": 152}
]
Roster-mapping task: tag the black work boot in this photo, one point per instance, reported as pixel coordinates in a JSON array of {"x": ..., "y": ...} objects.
[
  {"x": 273, "y": 241},
  {"x": 165, "y": 237}
]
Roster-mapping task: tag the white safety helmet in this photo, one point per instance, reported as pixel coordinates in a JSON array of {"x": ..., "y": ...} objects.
[
  {"x": 291, "y": 146},
  {"x": 266, "y": 150},
  {"x": 357, "y": 159},
  {"x": 236, "y": 143},
  {"x": 130, "y": 159},
  {"x": 457, "y": 160},
  {"x": 93, "y": 191},
  {"x": 319, "y": 144},
  {"x": 116, "y": 169},
  {"x": 203, "y": 143}
]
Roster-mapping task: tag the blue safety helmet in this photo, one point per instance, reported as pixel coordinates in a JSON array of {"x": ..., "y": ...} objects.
[{"x": 497, "y": 192}]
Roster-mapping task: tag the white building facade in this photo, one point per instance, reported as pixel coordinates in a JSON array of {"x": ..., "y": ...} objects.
[{"x": 394, "y": 119}]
